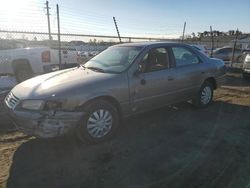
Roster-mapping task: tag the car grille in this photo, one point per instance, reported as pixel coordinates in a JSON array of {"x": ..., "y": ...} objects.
[{"x": 11, "y": 100}]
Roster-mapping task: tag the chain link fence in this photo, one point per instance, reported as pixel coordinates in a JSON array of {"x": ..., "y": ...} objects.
[
  {"x": 86, "y": 46},
  {"x": 85, "y": 34},
  {"x": 79, "y": 48}
]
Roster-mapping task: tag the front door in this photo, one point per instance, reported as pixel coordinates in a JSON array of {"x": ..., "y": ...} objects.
[{"x": 153, "y": 87}]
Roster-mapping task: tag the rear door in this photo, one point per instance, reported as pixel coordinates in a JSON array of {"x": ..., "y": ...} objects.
[{"x": 189, "y": 72}]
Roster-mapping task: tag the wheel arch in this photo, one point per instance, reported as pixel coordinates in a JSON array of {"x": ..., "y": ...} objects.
[
  {"x": 212, "y": 81},
  {"x": 21, "y": 62},
  {"x": 107, "y": 98}
]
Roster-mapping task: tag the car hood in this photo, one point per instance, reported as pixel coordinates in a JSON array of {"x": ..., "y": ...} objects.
[{"x": 58, "y": 83}]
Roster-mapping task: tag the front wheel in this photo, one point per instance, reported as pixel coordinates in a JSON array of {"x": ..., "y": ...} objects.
[
  {"x": 100, "y": 122},
  {"x": 205, "y": 95}
]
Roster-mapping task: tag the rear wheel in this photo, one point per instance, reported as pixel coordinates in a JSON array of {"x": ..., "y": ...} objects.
[
  {"x": 205, "y": 95},
  {"x": 23, "y": 74},
  {"x": 99, "y": 123}
]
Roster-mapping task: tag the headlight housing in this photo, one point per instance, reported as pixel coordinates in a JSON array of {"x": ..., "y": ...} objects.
[
  {"x": 40, "y": 105},
  {"x": 53, "y": 105},
  {"x": 33, "y": 104}
]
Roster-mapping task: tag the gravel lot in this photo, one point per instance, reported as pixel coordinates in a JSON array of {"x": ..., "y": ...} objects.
[{"x": 177, "y": 146}]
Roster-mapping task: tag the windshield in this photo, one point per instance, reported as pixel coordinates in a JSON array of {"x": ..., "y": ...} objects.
[{"x": 114, "y": 59}]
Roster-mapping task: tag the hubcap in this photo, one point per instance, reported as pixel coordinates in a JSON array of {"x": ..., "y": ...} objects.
[
  {"x": 99, "y": 123},
  {"x": 206, "y": 95}
]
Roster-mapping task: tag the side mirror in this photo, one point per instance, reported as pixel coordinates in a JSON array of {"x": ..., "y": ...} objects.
[{"x": 140, "y": 69}]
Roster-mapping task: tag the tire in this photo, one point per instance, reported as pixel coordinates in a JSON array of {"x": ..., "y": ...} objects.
[
  {"x": 23, "y": 73},
  {"x": 99, "y": 123},
  {"x": 204, "y": 96},
  {"x": 240, "y": 59}
]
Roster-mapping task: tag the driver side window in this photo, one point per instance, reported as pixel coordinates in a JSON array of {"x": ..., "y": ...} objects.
[{"x": 156, "y": 59}]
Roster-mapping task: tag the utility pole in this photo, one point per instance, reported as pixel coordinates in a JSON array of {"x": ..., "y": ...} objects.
[
  {"x": 48, "y": 14},
  {"x": 212, "y": 39},
  {"x": 235, "y": 42},
  {"x": 117, "y": 30},
  {"x": 184, "y": 29},
  {"x": 59, "y": 37}
]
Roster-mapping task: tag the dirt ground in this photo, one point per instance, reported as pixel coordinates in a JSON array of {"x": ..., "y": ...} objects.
[{"x": 177, "y": 146}]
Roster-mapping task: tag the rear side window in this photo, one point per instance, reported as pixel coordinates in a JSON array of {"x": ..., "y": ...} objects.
[{"x": 183, "y": 56}]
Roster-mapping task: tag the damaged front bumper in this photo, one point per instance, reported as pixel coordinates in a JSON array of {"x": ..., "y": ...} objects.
[{"x": 45, "y": 124}]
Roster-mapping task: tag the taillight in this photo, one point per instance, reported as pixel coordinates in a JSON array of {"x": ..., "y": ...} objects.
[{"x": 46, "y": 57}]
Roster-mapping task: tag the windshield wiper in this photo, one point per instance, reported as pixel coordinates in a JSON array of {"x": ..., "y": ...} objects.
[
  {"x": 95, "y": 69},
  {"x": 81, "y": 66}
]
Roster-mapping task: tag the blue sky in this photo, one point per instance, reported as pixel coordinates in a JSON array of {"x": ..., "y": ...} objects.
[{"x": 156, "y": 18}]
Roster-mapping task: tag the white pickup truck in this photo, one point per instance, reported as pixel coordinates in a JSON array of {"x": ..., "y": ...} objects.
[
  {"x": 24, "y": 63},
  {"x": 246, "y": 67}
]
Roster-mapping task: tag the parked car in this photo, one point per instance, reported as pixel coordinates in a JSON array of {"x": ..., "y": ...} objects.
[
  {"x": 202, "y": 48},
  {"x": 23, "y": 63},
  {"x": 121, "y": 81},
  {"x": 226, "y": 54},
  {"x": 246, "y": 67},
  {"x": 246, "y": 49}
]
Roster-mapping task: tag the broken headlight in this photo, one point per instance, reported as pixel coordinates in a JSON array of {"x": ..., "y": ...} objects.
[
  {"x": 53, "y": 105},
  {"x": 32, "y": 104}
]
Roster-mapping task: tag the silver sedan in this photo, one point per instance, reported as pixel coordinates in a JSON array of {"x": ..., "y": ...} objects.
[{"x": 123, "y": 80}]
